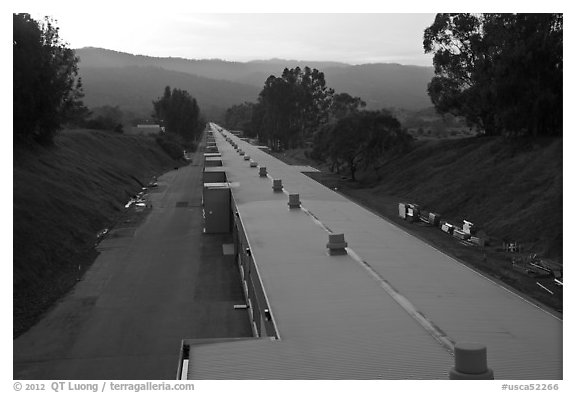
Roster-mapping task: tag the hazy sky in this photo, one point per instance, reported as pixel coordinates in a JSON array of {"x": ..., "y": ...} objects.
[
  {"x": 352, "y": 31},
  {"x": 353, "y": 38},
  {"x": 179, "y": 31}
]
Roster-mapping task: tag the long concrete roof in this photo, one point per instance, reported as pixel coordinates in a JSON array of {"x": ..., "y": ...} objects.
[{"x": 391, "y": 308}]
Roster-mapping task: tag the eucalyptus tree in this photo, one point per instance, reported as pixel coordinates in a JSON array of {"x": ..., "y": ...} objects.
[
  {"x": 179, "y": 113},
  {"x": 291, "y": 107},
  {"x": 502, "y": 72}
]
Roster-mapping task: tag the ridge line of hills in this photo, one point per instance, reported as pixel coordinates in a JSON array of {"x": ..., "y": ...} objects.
[{"x": 133, "y": 81}]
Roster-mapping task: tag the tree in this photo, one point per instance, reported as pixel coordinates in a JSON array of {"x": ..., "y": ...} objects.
[
  {"x": 343, "y": 104},
  {"x": 360, "y": 140},
  {"x": 277, "y": 117},
  {"x": 179, "y": 113},
  {"x": 291, "y": 107},
  {"x": 77, "y": 113},
  {"x": 106, "y": 118},
  {"x": 528, "y": 73},
  {"x": 461, "y": 67},
  {"x": 45, "y": 90},
  {"x": 502, "y": 72},
  {"x": 239, "y": 117},
  {"x": 315, "y": 100}
]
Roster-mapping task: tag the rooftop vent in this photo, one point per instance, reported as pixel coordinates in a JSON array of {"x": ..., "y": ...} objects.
[
  {"x": 263, "y": 172},
  {"x": 470, "y": 362},
  {"x": 294, "y": 201},
  {"x": 277, "y": 185},
  {"x": 336, "y": 244}
]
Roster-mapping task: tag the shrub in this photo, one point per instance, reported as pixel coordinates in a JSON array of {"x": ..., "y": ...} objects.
[{"x": 172, "y": 144}]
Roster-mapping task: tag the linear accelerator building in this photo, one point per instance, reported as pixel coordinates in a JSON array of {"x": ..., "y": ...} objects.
[{"x": 334, "y": 291}]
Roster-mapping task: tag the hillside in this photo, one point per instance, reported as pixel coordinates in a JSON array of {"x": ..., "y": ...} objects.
[
  {"x": 63, "y": 196},
  {"x": 384, "y": 85},
  {"x": 117, "y": 78},
  {"x": 511, "y": 191},
  {"x": 207, "y": 68},
  {"x": 133, "y": 88}
]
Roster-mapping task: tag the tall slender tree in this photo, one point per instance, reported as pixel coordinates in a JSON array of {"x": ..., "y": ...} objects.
[
  {"x": 292, "y": 107},
  {"x": 179, "y": 113}
]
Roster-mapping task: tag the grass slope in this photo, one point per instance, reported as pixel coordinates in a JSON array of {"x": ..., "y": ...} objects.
[
  {"x": 510, "y": 190},
  {"x": 63, "y": 196}
]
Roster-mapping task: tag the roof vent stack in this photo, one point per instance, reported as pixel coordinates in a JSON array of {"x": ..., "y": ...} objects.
[
  {"x": 294, "y": 201},
  {"x": 470, "y": 362},
  {"x": 336, "y": 244},
  {"x": 277, "y": 185}
]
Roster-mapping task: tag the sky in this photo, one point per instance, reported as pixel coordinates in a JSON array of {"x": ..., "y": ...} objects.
[
  {"x": 349, "y": 38},
  {"x": 355, "y": 32}
]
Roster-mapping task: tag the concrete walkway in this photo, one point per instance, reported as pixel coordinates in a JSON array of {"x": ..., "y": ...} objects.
[{"x": 151, "y": 286}]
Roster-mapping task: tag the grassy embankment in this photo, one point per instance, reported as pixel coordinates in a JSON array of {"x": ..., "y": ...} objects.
[
  {"x": 511, "y": 191},
  {"x": 63, "y": 196}
]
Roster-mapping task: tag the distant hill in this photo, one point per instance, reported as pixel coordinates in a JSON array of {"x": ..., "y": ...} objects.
[
  {"x": 211, "y": 68},
  {"x": 132, "y": 81},
  {"x": 384, "y": 85},
  {"x": 133, "y": 88}
]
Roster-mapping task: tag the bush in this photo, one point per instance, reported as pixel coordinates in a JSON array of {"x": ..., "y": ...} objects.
[
  {"x": 190, "y": 146},
  {"x": 172, "y": 144}
]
